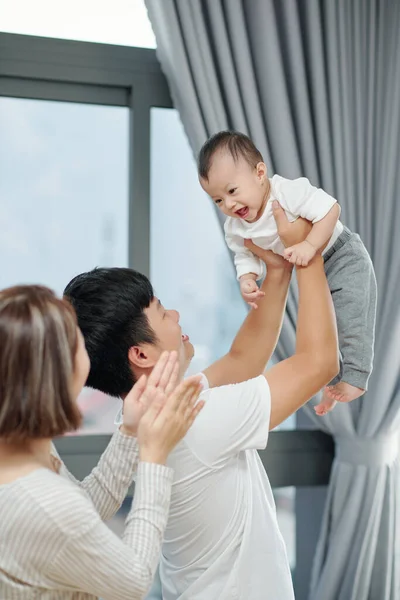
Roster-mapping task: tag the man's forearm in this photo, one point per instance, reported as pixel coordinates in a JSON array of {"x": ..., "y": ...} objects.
[
  {"x": 258, "y": 336},
  {"x": 316, "y": 322},
  {"x": 295, "y": 380},
  {"x": 256, "y": 340}
]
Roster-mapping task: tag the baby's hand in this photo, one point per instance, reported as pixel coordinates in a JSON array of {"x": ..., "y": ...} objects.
[
  {"x": 300, "y": 254},
  {"x": 250, "y": 291}
]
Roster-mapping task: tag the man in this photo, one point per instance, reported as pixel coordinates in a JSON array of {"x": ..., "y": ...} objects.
[{"x": 222, "y": 539}]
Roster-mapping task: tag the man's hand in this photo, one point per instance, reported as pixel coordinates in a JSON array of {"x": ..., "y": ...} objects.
[
  {"x": 250, "y": 291},
  {"x": 300, "y": 254},
  {"x": 273, "y": 261},
  {"x": 290, "y": 233}
]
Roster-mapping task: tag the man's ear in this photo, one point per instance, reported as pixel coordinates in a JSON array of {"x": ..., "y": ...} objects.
[{"x": 143, "y": 356}]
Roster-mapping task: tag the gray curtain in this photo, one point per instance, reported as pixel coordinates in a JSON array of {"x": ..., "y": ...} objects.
[{"x": 316, "y": 84}]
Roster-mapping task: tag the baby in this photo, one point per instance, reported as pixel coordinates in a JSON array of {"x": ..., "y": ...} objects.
[{"x": 233, "y": 173}]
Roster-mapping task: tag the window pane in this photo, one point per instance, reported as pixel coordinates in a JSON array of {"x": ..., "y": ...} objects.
[
  {"x": 120, "y": 22},
  {"x": 191, "y": 268},
  {"x": 63, "y": 199}
]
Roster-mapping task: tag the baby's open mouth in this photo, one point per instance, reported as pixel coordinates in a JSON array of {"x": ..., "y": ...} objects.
[{"x": 243, "y": 212}]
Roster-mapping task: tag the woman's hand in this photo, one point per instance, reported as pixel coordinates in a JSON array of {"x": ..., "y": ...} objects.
[
  {"x": 164, "y": 377},
  {"x": 168, "y": 419}
]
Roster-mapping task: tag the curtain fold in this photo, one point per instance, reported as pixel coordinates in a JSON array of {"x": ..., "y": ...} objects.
[{"x": 316, "y": 85}]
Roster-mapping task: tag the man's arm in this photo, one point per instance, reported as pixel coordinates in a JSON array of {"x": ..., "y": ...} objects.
[
  {"x": 257, "y": 337},
  {"x": 256, "y": 340},
  {"x": 315, "y": 362}
]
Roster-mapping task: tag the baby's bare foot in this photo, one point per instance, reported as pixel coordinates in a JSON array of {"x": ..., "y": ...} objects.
[
  {"x": 326, "y": 405},
  {"x": 344, "y": 392}
]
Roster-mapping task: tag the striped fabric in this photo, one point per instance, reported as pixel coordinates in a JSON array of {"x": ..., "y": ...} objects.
[{"x": 54, "y": 543}]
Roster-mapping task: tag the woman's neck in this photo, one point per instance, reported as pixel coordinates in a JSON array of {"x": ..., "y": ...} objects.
[{"x": 31, "y": 451}]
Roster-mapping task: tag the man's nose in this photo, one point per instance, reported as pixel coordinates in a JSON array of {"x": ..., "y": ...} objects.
[{"x": 175, "y": 315}]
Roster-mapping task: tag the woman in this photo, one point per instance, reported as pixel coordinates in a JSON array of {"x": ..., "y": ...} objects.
[{"x": 53, "y": 541}]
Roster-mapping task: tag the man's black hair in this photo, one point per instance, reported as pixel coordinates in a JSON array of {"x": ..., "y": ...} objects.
[
  {"x": 109, "y": 304},
  {"x": 237, "y": 144}
]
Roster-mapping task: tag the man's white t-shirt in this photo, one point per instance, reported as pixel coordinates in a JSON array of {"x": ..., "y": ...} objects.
[{"x": 222, "y": 540}]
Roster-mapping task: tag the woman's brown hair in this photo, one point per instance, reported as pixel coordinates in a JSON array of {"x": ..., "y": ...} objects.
[{"x": 38, "y": 342}]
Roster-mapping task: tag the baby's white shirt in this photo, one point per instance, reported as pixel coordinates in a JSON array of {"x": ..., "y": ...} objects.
[{"x": 299, "y": 199}]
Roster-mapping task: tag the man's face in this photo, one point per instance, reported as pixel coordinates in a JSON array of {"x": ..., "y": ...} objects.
[
  {"x": 82, "y": 365},
  {"x": 165, "y": 324},
  {"x": 236, "y": 188}
]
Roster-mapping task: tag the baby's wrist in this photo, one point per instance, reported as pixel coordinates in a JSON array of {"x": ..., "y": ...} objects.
[
  {"x": 311, "y": 244},
  {"x": 248, "y": 277}
]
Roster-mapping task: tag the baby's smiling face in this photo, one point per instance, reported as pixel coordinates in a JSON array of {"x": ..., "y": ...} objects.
[{"x": 238, "y": 189}]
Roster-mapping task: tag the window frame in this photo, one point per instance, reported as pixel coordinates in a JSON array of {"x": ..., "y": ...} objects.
[{"x": 85, "y": 72}]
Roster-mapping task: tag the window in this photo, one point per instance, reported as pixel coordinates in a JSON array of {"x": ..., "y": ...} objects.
[
  {"x": 63, "y": 201},
  {"x": 121, "y": 22},
  {"x": 63, "y": 190}
]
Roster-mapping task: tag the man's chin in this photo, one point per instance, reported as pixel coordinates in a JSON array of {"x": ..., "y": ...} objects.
[
  {"x": 189, "y": 350},
  {"x": 187, "y": 358}
]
